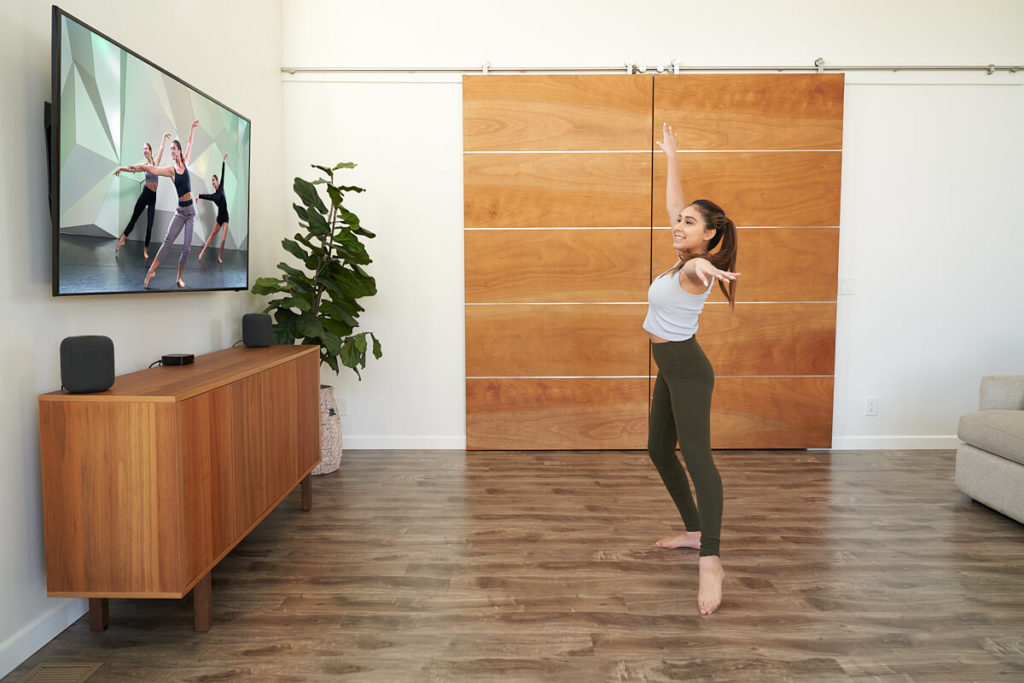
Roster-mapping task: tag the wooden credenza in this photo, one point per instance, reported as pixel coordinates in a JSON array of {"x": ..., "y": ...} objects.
[{"x": 148, "y": 485}]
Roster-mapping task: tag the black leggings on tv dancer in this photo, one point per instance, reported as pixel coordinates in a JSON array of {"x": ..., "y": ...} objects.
[{"x": 145, "y": 202}]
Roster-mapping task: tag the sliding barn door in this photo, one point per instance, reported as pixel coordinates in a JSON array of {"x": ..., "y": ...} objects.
[
  {"x": 558, "y": 230},
  {"x": 768, "y": 150},
  {"x": 562, "y": 190}
]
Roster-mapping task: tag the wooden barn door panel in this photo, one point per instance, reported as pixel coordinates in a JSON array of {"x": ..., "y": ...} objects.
[
  {"x": 550, "y": 413},
  {"x": 550, "y": 265}
]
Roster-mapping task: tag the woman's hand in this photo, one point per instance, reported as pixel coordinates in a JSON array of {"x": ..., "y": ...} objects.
[
  {"x": 167, "y": 136},
  {"x": 705, "y": 272},
  {"x": 225, "y": 157},
  {"x": 668, "y": 142},
  {"x": 195, "y": 123}
]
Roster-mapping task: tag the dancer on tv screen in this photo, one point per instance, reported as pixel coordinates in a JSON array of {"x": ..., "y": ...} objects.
[
  {"x": 147, "y": 199},
  {"x": 218, "y": 198},
  {"x": 184, "y": 217}
]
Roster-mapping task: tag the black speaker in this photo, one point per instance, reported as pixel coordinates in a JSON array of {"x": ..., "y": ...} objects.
[
  {"x": 256, "y": 329},
  {"x": 87, "y": 363}
]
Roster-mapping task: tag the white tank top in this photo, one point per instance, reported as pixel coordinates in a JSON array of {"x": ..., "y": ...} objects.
[{"x": 672, "y": 312}]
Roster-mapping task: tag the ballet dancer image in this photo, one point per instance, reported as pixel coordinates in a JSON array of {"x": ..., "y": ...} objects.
[
  {"x": 184, "y": 217},
  {"x": 217, "y": 197},
  {"x": 704, "y": 240},
  {"x": 146, "y": 200}
]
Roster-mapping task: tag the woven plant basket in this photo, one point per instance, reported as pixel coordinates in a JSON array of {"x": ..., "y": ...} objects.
[{"x": 330, "y": 432}]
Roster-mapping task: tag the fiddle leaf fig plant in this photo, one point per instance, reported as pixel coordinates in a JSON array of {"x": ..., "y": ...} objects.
[{"x": 318, "y": 304}]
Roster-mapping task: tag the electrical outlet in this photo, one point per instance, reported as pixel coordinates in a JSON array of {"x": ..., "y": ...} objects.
[
  {"x": 871, "y": 406},
  {"x": 342, "y": 406}
]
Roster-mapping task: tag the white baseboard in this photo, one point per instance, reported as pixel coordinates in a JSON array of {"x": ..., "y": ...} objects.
[
  {"x": 402, "y": 443},
  {"x": 39, "y": 632},
  {"x": 895, "y": 443}
]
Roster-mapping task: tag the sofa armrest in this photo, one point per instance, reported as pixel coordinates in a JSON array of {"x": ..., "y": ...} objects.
[{"x": 1002, "y": 392}]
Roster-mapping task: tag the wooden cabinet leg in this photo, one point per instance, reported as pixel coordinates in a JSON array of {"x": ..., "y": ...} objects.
[
  {"x": 202, "y": 604},
  {"x": 99, "y": 614},
  {"x": 307, "y": 492}
]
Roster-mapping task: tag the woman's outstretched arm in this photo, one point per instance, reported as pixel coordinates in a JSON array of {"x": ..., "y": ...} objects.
[
  {"x": 145, "y": 168},
  {"x": 675, "y": 200}
]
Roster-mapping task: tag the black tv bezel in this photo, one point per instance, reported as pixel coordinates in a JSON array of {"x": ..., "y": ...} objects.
[{"x": 52, "y": 122}]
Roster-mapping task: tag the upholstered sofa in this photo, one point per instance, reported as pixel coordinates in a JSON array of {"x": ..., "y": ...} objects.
[{"x": 990, "y": 461}]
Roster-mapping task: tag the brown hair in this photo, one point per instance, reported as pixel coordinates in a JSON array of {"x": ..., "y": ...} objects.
[
  {"x": 724, "y": 258},
  {"x": 181, "y": 152}
]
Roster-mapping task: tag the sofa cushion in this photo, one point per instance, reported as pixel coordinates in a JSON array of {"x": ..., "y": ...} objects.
[{"x": 997, "y": 431}]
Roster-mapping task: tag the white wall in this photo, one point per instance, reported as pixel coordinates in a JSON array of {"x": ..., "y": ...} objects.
[
  {"x": 239, "y": 67},
  {"x": 931, "y": 227}
]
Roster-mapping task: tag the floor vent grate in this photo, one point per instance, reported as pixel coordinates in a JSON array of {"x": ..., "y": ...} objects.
[{"x": 61, "y": 672}]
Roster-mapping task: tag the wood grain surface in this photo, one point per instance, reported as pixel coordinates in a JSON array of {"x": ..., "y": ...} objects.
[
  {"x": 842, "y": 567},
  {"x": 591, "y": 412},
  {"x": 529, "y": 266},
  {"x": 560, "y": 340},
  {"x": 110, "y": 498},
  {"x": 776, "y": 264},
  {"x": 759, "y": 189},
  {"x": 776, "y": 412},
  {"x": 557, "y": 190},
  {"x": 751, "y": 111},
  {"x": 564, "y": 112},
  {"x": 769, "y": 339}
]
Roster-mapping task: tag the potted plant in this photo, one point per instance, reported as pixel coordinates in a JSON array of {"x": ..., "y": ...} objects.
[{"x": 318, "y": 302}]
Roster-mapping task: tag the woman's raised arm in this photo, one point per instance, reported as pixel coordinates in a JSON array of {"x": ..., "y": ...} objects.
[
  {"x": 675, "y": 200},
  {"x": 160, "y": 154},
  {"x": 191, "y": 134}
]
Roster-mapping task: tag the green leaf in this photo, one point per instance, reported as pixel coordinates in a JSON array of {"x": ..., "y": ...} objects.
[
  {"x": 328, "y": 171},
  {"x": 345, "y": 164},
  {"x": 335, "y": 195},
  {"x": 318, "y": 224},
  {"x": 302, "y": 212},
  {"x": 331, "y": 309},
  {"x": 293, "y": 272},
  {"x": 334, "y": 327},
  {"x": 376, "y": 346},
  {"x": 292, "y": 247},
  {"x": 309, "y": 196},
  {"x": 310, "y": 327},
  {"x": 364, "y": 232},
  {"x": 351, "y": 188},
  {"x": 268, "y": 285}
]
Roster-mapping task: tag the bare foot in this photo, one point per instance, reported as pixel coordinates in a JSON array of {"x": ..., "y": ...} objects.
[
  {"x": 145, "y": 252},
  {"x": 181, "y": 283},
  {"x": 709, "y": 592},
  {"x": 687, "y": 539},
  {"x": 120, "y": 243},
  {"x": 149, "y": 276},
  {"x": 201, "y": 254},
  {"x": 220, "y": 260}
]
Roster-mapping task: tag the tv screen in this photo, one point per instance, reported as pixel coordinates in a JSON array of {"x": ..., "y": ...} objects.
[{"x": 183, "y": 185}]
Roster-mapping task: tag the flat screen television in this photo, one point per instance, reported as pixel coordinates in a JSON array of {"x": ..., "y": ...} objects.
[{"x": 110, "y": 104}]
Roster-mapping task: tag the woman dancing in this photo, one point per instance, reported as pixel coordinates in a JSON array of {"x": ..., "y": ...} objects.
[
  {"x": 217, "y": 197},
  {"x": 184, "y": 217},
  {"x": 681, "y": 404},
  {"x": 146, "y": 200}
]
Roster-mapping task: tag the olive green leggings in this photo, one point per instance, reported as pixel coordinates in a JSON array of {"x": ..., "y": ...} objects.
[{"x": 681, "y": 412}]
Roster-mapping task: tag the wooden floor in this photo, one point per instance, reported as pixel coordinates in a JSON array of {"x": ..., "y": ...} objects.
[{"x": 448, "y": 566}]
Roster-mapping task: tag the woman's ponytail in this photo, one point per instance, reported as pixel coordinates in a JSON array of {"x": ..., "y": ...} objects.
[{"x": 722, "y": 247}]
